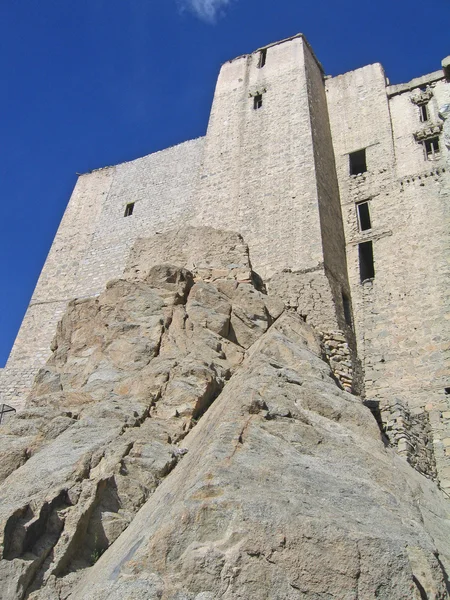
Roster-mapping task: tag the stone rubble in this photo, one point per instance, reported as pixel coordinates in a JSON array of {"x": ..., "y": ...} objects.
[
  {"x": 411, "y": 435},
  {"x": 339, "y": 357}
]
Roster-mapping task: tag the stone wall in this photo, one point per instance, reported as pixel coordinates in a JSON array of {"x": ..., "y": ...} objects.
[
  {"x": 161, "y": 186},
  {"x": 400, "y": 313},
  {"x": 15, "y": 383},
  {"x": 328, "y": 200},
  {"x": 92, "y": 245},
  {"x": 410, "y": 434},
  {"x": 338, "y": 355}
]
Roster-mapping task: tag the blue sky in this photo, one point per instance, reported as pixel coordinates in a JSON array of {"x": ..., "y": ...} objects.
[{"x": 96, "y": 82}]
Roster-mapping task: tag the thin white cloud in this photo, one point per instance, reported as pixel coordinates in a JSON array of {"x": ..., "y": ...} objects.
[{"x": 207, "y": 10}]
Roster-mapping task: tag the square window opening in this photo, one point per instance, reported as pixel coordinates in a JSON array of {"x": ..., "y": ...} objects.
[
  {"x": 358, "y": 162},
  {"x": 347, "y": 309},
  {"x": 262, "y": 58},
  {"x": 257, "y": 101},
  {"x": 129, "y": 209},
  {"x": 431, "y": 148},
  {"x": 447, "y": 391},
  {"x": 364, "y": 222},
  {"x": 423, "y": 112},
  {"x": 366, "y": 266}
]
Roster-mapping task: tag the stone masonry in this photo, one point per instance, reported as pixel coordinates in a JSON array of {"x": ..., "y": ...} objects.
[
  {"x": 399, "y": 313},
  {"x": 340, "y": 186}
]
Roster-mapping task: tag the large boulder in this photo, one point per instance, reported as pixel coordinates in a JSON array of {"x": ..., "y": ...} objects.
[
  {"x": 187, "y": 441},
  {"x": 131, "y": 373},
  {"x": 286, "y": 492}
]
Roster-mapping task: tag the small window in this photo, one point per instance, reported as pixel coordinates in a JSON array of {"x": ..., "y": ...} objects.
[
  {"x": 423, "y": 112},
  {"x": 257, "y": 101},
  {"x": 366, "y": 266},
  {"x": 347, "y": 309},
  {"x": 363, "y": 216},
  {"x": 358, "y": 162},
  {"x": 262, "y": 58},
  {"x": 431, "y": 148},
  {"x": 129, "y": 209}
]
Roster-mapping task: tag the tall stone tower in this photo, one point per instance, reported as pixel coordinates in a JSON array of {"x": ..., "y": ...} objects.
[{"x": 268, "y": 168}]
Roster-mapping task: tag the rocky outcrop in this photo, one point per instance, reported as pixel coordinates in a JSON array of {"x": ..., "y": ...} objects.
[
  {"x": 186, "y": 440},
  {"x": 286, "y": 492}
]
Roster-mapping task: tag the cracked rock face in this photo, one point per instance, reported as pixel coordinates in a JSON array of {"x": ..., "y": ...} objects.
[{"x": 186, "y": 441}]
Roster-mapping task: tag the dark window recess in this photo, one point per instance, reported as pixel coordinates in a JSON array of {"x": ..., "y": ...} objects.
[
  {"x": 257, "y": 101},
  {"x": 129, "y": 209},
  {"x": 347, "y": 309},
  {"x": 366, "y": 267},
  {"x": 262, "y": 58},
  {"x": 447, "y": 391},
  {"x": 363, "y": 216},
  {"x": 358, "y": 162},
  {"x": 431, "y": 148},
  {"x": 423, "y": 111}
]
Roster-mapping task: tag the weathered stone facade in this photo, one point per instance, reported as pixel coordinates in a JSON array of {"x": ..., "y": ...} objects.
[
  {"x": 400, "y": 313},
  {"x": 276, "y": 165}
]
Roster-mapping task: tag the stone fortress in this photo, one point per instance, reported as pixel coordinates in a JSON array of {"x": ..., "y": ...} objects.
[{"x": 339, "y": 185}]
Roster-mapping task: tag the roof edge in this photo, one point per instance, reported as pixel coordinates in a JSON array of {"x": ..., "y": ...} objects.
[
  {"x": 277, "y": 43},
  {"x": 399, "y": 88}
]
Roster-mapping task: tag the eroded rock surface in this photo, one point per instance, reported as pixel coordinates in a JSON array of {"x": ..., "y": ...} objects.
[
  {"x": 186, "y": 441},
  {"x": 286, "y": 492}
]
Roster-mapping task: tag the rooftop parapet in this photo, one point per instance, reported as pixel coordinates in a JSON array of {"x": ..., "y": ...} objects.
[
  {"x": 393, "y": 90},
  {"x": 285, "y": 40}
]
